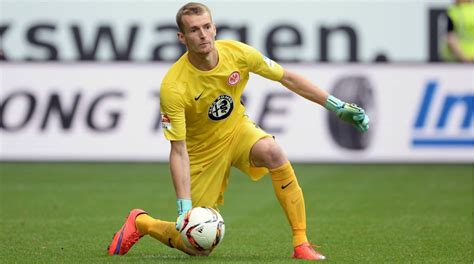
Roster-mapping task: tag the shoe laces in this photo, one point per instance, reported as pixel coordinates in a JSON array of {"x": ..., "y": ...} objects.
[
  {"x": 310, "y": 245},
  {"x": 314, "y": 246}
]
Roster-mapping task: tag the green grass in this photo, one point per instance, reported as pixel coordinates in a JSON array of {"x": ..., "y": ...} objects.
[{"x": 67, "y": 213}]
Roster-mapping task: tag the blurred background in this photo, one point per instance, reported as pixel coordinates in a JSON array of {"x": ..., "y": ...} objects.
[
  {"x": 81, "y": 142},
  {"x": 80, "y": 79}
]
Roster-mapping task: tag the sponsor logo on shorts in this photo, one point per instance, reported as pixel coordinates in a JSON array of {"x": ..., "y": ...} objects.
[
  {"x": 234, "y": 78},
  {"x": 221, "y": 108}
]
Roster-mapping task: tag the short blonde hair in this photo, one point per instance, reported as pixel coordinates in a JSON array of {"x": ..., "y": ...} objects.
[{"x": 188, "y": 9}]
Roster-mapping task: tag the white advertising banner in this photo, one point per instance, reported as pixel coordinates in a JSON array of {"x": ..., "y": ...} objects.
[
  {"x": 110, "y": 112},
  {"x": 286, "y": 31}
]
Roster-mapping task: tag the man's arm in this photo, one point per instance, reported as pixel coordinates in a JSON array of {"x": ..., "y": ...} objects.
[
  {"x": 347, "y": 112},
  {"x": 453, "y": 41},
  {"x": 303, "y": 87},
  {"x": 453, "y": 44},
  {"x": 179, "y": 165}
]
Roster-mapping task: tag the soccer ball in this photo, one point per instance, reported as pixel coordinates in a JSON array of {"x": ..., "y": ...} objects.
[{"x": 203, "y": 228}]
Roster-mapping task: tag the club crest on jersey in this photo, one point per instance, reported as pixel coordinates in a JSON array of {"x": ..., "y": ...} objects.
[
  {"x": 221, "y": 108},
  {"x": 165, "y": 121},
  {"x": 234, "y": 78}
]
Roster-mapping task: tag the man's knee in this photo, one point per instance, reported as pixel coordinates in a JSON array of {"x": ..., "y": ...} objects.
[{"x": 267, "y": 153}]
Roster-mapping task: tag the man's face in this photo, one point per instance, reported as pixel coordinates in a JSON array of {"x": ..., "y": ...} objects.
[{"x": 199, "y": 33}]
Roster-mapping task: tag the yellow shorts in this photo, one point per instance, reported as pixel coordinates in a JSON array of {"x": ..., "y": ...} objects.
[{"x": 209, "y": 180}]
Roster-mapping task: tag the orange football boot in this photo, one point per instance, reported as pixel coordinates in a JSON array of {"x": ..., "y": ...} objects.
[
  {"x": 307, "y": 252},
  {"x": 127, "y": 236}
]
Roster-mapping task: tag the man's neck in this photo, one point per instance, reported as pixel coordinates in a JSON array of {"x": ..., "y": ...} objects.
[{"x": 204, "y": 62}]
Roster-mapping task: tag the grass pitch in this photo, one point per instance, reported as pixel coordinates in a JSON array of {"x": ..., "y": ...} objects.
[{"x": 67, "y": 213}]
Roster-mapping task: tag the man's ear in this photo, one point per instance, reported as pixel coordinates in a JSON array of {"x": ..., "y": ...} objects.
[
  {"x": 181, "y": 37},
  {"x": 215, "y": 29}
]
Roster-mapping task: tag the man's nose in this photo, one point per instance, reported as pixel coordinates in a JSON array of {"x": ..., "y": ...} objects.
[{"x": 202, "y": 33}]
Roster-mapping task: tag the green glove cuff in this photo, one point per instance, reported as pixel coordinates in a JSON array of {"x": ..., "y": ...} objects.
[
  {"x": 333, "y": 103},
  {"x": 184, "y": 205}
]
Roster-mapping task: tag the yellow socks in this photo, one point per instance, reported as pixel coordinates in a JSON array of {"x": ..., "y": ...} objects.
[
  {"x": 164, "y": 231},
  {"x": 290, "y": 196}
]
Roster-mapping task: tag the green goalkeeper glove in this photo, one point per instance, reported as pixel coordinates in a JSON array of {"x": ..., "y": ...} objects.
[
  {"x": 350, "y": 113},
  {"x": 184, "y": 205}
]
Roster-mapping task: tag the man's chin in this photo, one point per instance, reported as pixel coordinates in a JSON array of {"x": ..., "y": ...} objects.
[{"x": 205, "y": 50}]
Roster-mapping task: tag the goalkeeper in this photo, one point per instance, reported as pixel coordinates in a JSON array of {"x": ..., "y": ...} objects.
[{"x": 209, "y": 132}]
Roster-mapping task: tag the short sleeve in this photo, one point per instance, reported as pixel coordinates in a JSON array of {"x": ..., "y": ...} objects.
[
  {"x": 263, "y": 66},
  {"x": 173, "y": 119}
]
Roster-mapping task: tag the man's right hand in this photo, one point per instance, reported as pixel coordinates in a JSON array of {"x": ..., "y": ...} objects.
[
  {"x": 179, "y": 222},
  {"x": 184, "y": 205}
]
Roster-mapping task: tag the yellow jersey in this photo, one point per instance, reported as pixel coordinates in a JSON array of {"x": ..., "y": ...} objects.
[{"x": 204, "y": 107}]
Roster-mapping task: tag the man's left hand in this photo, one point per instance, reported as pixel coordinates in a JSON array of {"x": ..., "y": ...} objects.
[
  {"x": 354, "y": 115},
  {"x": 350, "y": 113}
]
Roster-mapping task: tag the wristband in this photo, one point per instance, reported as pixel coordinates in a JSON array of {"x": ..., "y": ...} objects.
[
  {"x": 333, "y": 103},
  {"x": 184, "y": 205}
]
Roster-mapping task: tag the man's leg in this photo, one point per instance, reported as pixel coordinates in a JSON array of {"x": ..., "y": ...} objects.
[
  {"x": 206, "y": 187},
  {"x": 207, "y": 184},
  {"x": 266, "y": 153},
  {"x": 290, "y": 196},
  {"x": 163, "y": 231},
  {"x": 137, "y": 224}
]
